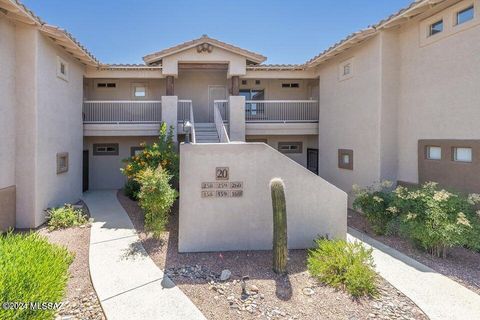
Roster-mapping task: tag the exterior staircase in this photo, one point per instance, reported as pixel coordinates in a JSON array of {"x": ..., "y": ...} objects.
[{"x": 206, "y": 133}]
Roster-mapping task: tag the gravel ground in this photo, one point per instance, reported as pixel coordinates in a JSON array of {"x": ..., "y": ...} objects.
[
  {"x": 266, "y": 295},
  {"x": 81, "y": 301},
  {"x": 461, "y": 265}
]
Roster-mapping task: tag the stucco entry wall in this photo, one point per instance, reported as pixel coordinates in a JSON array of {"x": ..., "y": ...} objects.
[
  {"x": 105, "y": 169},
  {"x": 314, "y": 206}
]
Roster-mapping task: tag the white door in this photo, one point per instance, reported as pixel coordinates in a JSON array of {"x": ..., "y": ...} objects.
[{"x": 215, "y": 92}]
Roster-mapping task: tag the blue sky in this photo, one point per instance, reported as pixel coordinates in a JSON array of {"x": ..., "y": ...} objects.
[{"x": 122, "y": 31}]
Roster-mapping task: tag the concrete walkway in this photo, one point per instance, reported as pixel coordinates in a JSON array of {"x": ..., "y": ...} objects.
[
  {"x": 438, "y": 296},
  {"x": 128, "y": 283}
]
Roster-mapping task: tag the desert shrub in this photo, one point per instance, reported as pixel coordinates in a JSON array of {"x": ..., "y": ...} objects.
[
  {"x": 375, "y": 203},
  {"x": 345, "y": 265},
  {"x": 156, "y": 198},
  {"x": 437, "y": 219},
  {"x": 31, "y": 270},
  {"x": 160, "y": 153},
  {"x": 65, "y": 217}
]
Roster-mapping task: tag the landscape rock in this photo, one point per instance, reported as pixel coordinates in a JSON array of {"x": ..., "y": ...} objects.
[{"x": 225, "y": 275}]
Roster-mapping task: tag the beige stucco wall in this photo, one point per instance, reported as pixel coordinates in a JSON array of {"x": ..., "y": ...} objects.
[
  {"x": 439, "y": 91},
  {"x": 59, "y": 128},
  {"x": 124, "y": 89},
  {"x": 193, "y": 85},
  {"x": 350, "y": 117},
  {"x": 26, "y": 42},
  {"x": 7, "y": 105},
  {"x": 308, "y": 141},
  {"x": 314, "y": 206},
  {"x": 105, "y": 170}
]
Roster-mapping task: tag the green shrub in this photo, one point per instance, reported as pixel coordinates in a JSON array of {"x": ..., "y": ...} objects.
[
  {"x": 31, "y": 270},
  {"x": 345, "y": 265},
  {"x": 161, "y": 153},
  {"x": 437, "y": 219},
  {"x": 65, "y": 217},
  {"x": 375, "y": 203},
  {"x": 156, "y": 198}
]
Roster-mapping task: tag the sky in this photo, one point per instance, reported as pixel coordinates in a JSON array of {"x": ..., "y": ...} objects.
[{"x": 123, "y": 31}]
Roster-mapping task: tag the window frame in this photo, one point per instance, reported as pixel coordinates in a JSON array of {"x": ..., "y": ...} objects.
[
  {"x": 458, "y": 12},
  {"x": 341, "y": 154},
  {"x": 427, "y": 153},
  {"x": 341, "y": 69},
  {"x": 62, "y": 157},
  {"x": 298, "y": 144},
  {"x": 62, "y": 75},
  {"x": 115, "y": 152},
  {"x": 136, "y": 85},
  {"x": 430, "y": 32},
  {"x": 454, "y": 154},
  {"x": 106, "y": 82},
  {"x": 134, "y": 149}
]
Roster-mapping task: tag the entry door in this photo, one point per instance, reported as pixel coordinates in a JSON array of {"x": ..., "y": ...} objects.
[
  {"x": 312, "y": 160},
  {"x": 85, "y": 171},
  {"x": 215, "y": 92}
]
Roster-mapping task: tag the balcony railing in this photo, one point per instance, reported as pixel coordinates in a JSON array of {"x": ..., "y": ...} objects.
[
  {"x": 122, "y": 111},
  {"x": 281, "y": 111},
  {"x": 183, "y": 110}
]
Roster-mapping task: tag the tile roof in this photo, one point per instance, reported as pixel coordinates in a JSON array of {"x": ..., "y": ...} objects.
[
  {"x": 255, "y": 57},
  {"x": 278, "y": 67}
]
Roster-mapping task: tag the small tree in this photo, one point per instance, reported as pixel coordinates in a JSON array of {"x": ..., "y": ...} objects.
[{"x": 280, "y": 249}]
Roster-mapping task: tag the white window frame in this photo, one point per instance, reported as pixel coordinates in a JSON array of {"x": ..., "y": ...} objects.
[
  {"x": 139, "y": 84},
  {"x": 455, "y": 156},
  {"x": 472, "y": 6},
  {"x": 96, "y": 82},
  {"x": 60, "y": 62},
  {"x": 341, "y": 69},
  {"x": 429, "y": 155}
]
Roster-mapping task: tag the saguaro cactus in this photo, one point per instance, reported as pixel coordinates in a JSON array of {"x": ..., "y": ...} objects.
[{"x": 280, "y": 249}]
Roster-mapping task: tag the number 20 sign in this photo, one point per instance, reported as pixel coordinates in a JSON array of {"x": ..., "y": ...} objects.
[{"x": 221, "y": 173}]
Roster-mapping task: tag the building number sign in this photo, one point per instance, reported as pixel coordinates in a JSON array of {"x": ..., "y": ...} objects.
[{"x": 222, "y": 188}]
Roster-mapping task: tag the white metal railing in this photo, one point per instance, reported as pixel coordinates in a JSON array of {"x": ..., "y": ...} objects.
[
  {"x": 192, "y": 121},
  {"x": 281, "y": 111},
  {"x": 222, "y": 132},
  {"x": 183, "y": 110},
  {"x": 122, "y": 111},
  {"x": 222, "y": 106}
]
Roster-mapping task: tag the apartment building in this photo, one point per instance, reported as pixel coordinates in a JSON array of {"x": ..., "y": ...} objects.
[{"x": 398, "y": 100}]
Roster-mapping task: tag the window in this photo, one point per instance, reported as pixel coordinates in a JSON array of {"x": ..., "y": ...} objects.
[
  {"x": 62, "y": 69},
  {"x": 251, "y": 94},
  {"x": 290, "y": 147},
  {"x": 345, "y": 159},
  {"x": 106, "y": 85},
  {"x": 345, "y": 69},
  {"x": 435, "y": 28},
  {"x": 434, "y": 153},
  {"x": 465, "y": 15},
  {"x": 135, "y": 151},
  {"x": 140, "y": 91},
  {"x": 462, "y": 154},
  {"x": 257, "y": 82},
  {"x": 291, "y": 85},
  {"x": 62, "y": 162},
  {"x": 244, "y": 82},
  {"x": 105, "y": 149}
]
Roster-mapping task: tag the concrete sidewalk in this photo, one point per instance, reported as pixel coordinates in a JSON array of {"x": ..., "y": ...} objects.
[
  {"x": 438, "y": 296},
  {"x": 128, "y": 283}
]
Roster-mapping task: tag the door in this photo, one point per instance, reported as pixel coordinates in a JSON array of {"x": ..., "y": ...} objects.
[
  {"x": 85, "y": 171},
  {"x": 215, "y": 92},
  {"x": 312, "y": 160}
]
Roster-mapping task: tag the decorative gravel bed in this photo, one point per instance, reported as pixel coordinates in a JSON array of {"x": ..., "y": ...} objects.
[
  {"x": 266, "y": 295},
  {"x": 461, "y": 265},
  {"x": 81, "y": 301}
]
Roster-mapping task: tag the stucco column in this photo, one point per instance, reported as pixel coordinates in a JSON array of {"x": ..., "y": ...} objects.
[
  {"x": 170, "y": 91},
  {"x": 236, "y": 105},
  {"x": 235, "y": 86},
  {"x": 169, "y": 112}
]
